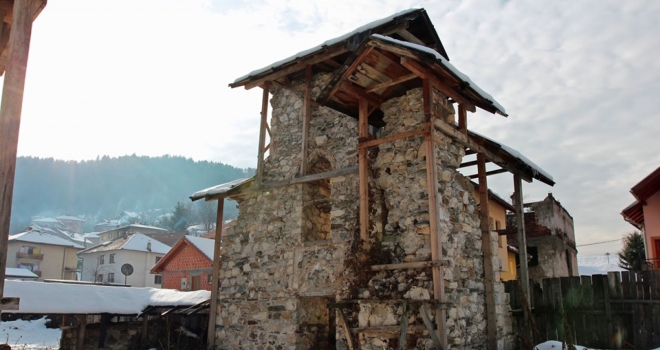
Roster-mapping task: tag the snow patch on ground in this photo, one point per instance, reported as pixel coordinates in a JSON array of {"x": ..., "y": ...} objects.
[
  {"x": 557, "y": 345},
  {"x": 598, "y": 265},
  {"x": 26, "y": 335}
]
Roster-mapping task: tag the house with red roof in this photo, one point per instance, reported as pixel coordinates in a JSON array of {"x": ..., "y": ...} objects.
[
  {"x": 188, "y": 265},
  {"x": 644, "y": 214}
]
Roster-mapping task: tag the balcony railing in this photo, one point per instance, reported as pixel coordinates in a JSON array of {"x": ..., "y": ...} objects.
[{"x": 20, "y": 255}]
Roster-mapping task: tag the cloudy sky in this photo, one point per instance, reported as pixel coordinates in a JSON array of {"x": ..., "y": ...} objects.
[{"x": 578, "y": 79}]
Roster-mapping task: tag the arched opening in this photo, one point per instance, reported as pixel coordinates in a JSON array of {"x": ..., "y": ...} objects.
[{"x": 317, "y": 204}]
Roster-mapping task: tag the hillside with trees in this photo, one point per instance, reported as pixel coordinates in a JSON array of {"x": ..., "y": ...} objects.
[{"x": 105, "y": 187}]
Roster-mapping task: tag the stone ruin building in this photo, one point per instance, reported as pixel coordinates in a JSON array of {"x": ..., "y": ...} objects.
[
  {"x": 357, "y": 231},
  {"x": 550, "y": 239}
]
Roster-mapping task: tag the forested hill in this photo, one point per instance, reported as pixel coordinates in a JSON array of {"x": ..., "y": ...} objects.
[{"x": 103, "y": 188}]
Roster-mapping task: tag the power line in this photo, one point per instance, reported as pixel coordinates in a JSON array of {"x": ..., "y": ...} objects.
[{"x": 613, "y": 240}]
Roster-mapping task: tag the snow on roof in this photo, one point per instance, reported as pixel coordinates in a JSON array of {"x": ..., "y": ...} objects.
[
  {"x": 205, "y": 245},
  {"x": 71, "y": 218},
  {"x": 61, "y": 298},
  {"x": 443, "y": 61},
  {"x": 146, "y": 226},
  {"x": 218, "y": 189},
  {"x": 136, "y": 242},
  {"x": 327, "y": 43},
  {"x": 514, "y": 153},
  {"x": 35, "y": 236},
  {"x": 16, "y": 272}
]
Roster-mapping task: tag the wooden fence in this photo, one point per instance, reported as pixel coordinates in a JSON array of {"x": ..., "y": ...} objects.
[{"x": 613, "y": 311}]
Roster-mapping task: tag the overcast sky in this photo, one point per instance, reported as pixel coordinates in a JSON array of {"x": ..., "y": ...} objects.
[{"x": 578, "y": 79}]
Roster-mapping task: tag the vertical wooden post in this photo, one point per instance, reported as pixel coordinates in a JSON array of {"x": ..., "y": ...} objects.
[
  {"x": 80, "y": 343},
  {"x": 363, "y": 168},
  {"x": 487, "y": 248},
  {"x": 462, "y": 119},
  {"x": 262, "y": 133},
  {"x": 10, "y": 116},
  {"x": 306, "y": 119},
  {"x": 145, "y": 326},
  {"x": 432, "y": 188},
  {"x": 522, "y": 239},
  {"x": 215, "y": 279}
]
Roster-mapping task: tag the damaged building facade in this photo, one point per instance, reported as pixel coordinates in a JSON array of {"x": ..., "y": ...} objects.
[
  {"x": 550, "y": 239},
  {"x": 357, "y": 231}
]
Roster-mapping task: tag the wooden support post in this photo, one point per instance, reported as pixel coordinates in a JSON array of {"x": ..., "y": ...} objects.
[
  {"x": 82, "y": 324},
  {"x": 462, "y": 119},
  {"x": 306, "y": 119},
  {"x": 404, "y": 326},
  {"x": 262, "y": 133},
  {"x": 363, "y": 168},
  {"x": 487, "y": 248},
  {"x": 215, "y": 279},
  {"x": 522, "y": 240},
  {"x": 145, "y": 327},
  {"x": 347, "y": 331},
  {"x": 432, "y": 188},
  {"x": 10, "y": 116}
]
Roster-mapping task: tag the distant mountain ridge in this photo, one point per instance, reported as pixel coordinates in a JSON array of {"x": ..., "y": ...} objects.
[{"x": 102, "y": 188}]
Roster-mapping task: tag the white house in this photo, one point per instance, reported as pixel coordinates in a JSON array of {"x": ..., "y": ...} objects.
[{"x": 102, "y": 263}]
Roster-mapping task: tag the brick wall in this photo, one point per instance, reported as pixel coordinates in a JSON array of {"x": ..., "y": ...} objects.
[{"x": 188, "y": 261}]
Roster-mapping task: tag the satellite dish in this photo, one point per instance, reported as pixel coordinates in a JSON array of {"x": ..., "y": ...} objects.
[{"x": 127, "y": 269}]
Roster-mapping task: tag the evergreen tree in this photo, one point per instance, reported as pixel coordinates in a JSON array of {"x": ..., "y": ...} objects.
[
  {"x": 180, "y": 218},
  {"x": 633, "y": 256}
]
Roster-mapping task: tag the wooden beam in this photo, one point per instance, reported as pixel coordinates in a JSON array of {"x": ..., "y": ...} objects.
[
  {"x": 489, "y": 173},
  {"x": 307, "y": 116},
  {"x": 432, "y": 190},
  {"x": 408, "y": 265},
  {"x": 347, "y": 331},
  {"x": 310, "y": 178},
  {"x": 466, "y": 141},
  {"x": 262, "y": 132},
  {"x": 522, "y": 241},
  {"x": 270, "y": 135},
  {"x": 349, "y": 70},
  {"x": 82, "y": 324},
  {"x": 399, "y": 80},
  {"x": 416, "y": 68},
  {"x": 7, "y": 304},
  {"x": 361, "y": 94},
  {"x": 487, "y": 249},
  {"x": 320, "y": 56},
  {"x": 363, "y": 168},
  {"x": 462, "y": 119},
  {"x": 215, "y": 280},
  {"x": 410, "y": 37},
  {"x": 145, "y": 328},
  {"x": 10, "y": 116},
  {"x": 405, "y": 134},
  {"x": 427, "y": 322},
  {"x": 404, "y": 326},
  {"x": 470, "y": 163}
]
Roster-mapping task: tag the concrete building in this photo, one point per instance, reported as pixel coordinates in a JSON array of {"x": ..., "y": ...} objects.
[
  {"x": 71, "y": 223},
  {"x": 102, "y": 263},
  {"x": 46, "y": 255},
  {"x": 644, "y": 214},
  {"x": 550, "y": 239},
  {"x": 129, "y": 230}
]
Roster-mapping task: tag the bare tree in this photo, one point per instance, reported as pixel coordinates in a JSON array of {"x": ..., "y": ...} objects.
[
  {"x": 206, "y": 214},
  {"x": 95, "y": 269}
]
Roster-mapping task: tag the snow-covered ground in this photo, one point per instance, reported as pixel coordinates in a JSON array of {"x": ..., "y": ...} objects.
[
  {"x": 557, "y": 345},
  {"x": 30, "y": 335},
  {"x": 594, "y": 265}
]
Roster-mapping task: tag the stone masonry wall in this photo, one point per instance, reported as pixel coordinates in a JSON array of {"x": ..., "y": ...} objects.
[{"x": 281, "y": 268}]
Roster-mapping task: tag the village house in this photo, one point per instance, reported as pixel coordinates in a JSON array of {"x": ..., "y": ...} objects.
[
  {"x": 550, "y": 239},
  {"x": 47, "y": 255},
  {"x": 644, "y": 214},
  {"x": 102, "y": 263},
  {"x": 357, "y": 231},
  {"x": 71, "y": 223},
  {"x": 129, "y": 230},
  {"x": 188, "y": 265}
]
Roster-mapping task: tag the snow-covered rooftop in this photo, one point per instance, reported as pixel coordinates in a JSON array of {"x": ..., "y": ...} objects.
[
  {"x": 205, "y": 245},
  {"x": 137, "y": 242},
  {"x": 325, "y": 44},
  {"x": 70, "y": 218},
  {"x": 445, "y": 63},
  {"x": 43, "y": 238},
  {"x": 218, "y": 189},
  {"x": 61, "y": 298},
  {"x": 22, "y": 273}
]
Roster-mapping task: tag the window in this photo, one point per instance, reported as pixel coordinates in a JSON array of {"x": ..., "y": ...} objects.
[
  {"x": 158, "y": 259},
  {"x": 158, "y": 279},
  {"x": 112, "y": 258},
  {"x": 102, "y": 259},
  {"x": 99, "y": 278},
  {"x": 209, "y": 278},
  {"x": 111, "y": 277}
]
